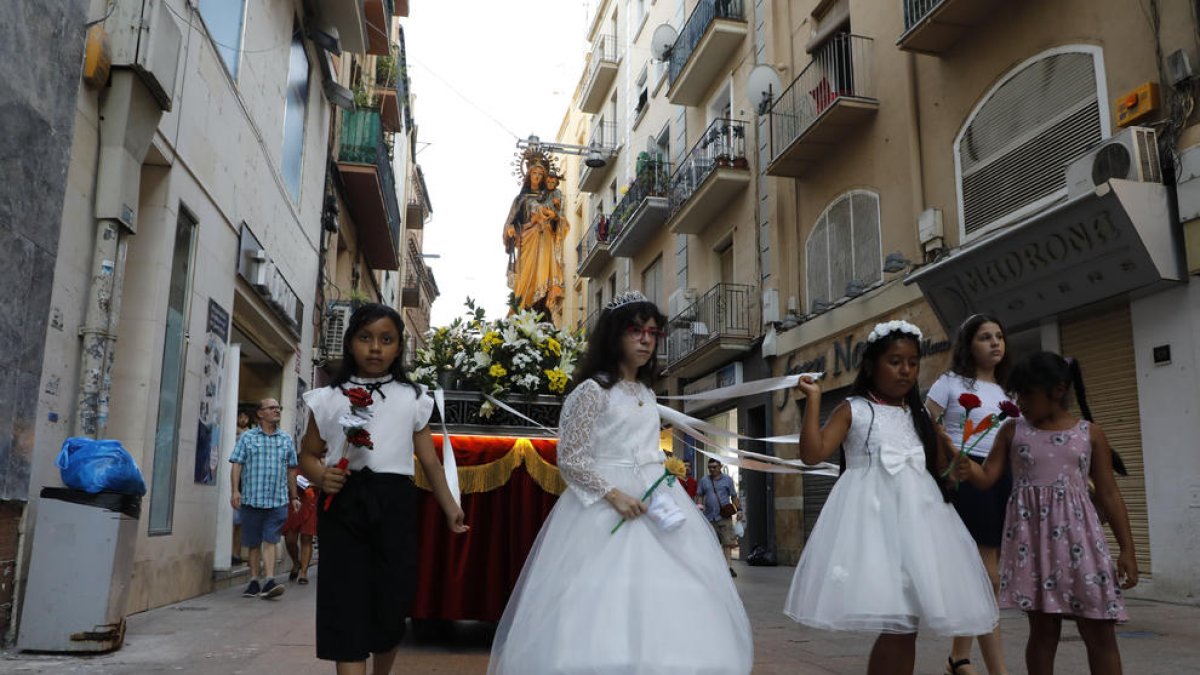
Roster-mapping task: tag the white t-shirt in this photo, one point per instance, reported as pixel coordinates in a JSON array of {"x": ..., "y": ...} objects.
[
  {"x": 397, "y": 413},
  {"x": 945, "y": 393}
]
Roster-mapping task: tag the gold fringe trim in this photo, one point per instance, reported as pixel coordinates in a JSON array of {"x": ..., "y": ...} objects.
[{"x": 493, "y": 475}]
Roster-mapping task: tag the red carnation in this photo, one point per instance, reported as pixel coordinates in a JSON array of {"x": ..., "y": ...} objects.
[
  {"x": 359, "y": 397},
  {"x": 1009, "y": 409},
  {"x": 361, "y": 438},
  {"x": 969, "y": 402}
]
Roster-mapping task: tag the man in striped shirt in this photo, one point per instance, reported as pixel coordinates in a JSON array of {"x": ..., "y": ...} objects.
[{"x": 264, "y": 480}]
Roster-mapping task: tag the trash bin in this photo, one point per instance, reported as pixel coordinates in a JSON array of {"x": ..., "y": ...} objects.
[{"x": 79, "y": 572}]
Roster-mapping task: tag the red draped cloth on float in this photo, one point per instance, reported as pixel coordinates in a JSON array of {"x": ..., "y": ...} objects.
[{"x": 470, "y": 576}]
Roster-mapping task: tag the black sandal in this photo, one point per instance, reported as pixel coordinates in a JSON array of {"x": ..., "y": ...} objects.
[{"x": 955, "y": 665}]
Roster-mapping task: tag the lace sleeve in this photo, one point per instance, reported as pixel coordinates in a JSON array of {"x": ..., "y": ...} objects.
[{"x": 575, "y": 452}]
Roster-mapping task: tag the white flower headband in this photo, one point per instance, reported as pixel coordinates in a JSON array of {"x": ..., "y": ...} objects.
[{"x": 883, "y": 330}]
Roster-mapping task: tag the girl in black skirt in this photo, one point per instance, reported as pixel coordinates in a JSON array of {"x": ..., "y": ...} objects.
[
  {"x": 980, "y": 365},
  {"x": 363, "y": 432}
]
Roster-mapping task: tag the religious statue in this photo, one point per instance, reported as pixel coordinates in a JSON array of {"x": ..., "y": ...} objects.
[{"x": 533, "y": 237}]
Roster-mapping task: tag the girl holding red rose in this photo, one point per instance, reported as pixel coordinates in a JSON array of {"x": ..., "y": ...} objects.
[
  {"x": 971, "y": 391},
  {"x": 364, "y": 432}
]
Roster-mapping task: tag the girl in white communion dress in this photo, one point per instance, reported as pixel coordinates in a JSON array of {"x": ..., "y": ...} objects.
[{"x": 654, "y": 597}]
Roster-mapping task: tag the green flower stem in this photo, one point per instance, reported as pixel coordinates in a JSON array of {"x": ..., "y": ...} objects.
[
  {"x": 667, "y": 476},
  {"x": 967, "y": 450}
]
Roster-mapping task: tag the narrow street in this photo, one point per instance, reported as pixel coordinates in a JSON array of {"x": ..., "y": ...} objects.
[{"x": 225, "y": 633}]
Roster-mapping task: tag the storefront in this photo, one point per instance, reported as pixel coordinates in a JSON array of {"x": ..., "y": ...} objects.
[{"x": 1075, "y": 274}]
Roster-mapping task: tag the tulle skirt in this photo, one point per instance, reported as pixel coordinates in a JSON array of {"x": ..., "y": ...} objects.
[
  {"x": 638, "y": 602},
  {"x": 888, "y": 555}
]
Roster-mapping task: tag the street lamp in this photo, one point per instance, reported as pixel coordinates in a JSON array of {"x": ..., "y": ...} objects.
[{"x": 594, "y": 156}]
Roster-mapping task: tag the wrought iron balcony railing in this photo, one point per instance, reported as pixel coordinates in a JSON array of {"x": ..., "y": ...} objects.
[
  {"x": 723, "y": 144},
  {"x": 726, "y": 310},
  {"x": 697, "y": 24},
  {"x": 841, "y": 68},
  {"x": 362, "y": 142}
]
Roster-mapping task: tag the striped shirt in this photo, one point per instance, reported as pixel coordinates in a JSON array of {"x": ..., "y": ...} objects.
[{"x": 265, "y": 460}]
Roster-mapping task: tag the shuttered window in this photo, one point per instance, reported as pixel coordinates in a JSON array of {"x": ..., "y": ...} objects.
[
  {"x": 1103, "y": 344},
  {"x": 1012, "y": 153},
  {"x": 843, "y": 246}
]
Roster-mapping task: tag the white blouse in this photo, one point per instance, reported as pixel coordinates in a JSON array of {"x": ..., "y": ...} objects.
[
  {"x": 397, "y": 412},
  {"x": 945, "y": 393}
]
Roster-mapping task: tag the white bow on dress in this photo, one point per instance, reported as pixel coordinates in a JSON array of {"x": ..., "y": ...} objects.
[{"x": 895, "y": 458}]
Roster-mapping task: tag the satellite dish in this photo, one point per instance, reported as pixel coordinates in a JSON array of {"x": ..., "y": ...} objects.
[
  {"x": 762, "y": 86},
  {"x": 662, "y": 42}
]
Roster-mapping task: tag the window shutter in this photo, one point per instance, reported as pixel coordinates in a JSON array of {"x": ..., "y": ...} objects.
[
  {"x": 1013, "y": 152},
  {"x": 818, "y": 264}
]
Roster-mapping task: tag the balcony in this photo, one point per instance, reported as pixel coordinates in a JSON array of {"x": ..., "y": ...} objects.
[
  {"x": 642, "y": 210},
  {"x": 602, "y": 65},
  {"x": 410, "y": 293},
  {"x": 365, "y": 165},
  {"x": 379, "y": 26},
  {"x": 709, "y": 38},
  {"x": 597, "y": 17},
  {"x": 934, "y": 26},
  {"x": 714, "y": 171},
  {"x": 593, "y": 250},
  {"x": 823, "y": 107},
  {"x": 387, "y": 78},
  {"x": 347, "y": 16},
  {"x": 417, "y": 211},
  {"x": 604, "y": 136},
  {"x": 401, "y": 8},
  {"x": 718, "y": 327}
]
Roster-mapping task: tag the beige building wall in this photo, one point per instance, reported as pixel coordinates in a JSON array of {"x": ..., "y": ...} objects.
[{"x": 217, "y": 156}]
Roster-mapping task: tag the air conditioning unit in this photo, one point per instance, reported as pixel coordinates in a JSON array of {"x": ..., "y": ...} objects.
[
  {"x": 337, "y": 317},
  {"x": 1130, "y": 155},
  {"x": 147, "y": 40}
]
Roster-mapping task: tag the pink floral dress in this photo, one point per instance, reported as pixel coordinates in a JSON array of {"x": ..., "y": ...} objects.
[{"x": 1054, "y": 557}]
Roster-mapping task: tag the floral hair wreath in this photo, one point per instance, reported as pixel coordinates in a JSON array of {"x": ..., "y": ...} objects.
[{"x": 883, "y": 330}]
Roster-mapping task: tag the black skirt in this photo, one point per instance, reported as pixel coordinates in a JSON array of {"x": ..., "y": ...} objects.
[
  {"x": 982, "y": 511},
  {"x": 367, "y": 568}
]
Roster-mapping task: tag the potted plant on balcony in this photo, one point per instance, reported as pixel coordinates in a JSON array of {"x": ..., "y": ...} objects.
[{"x": 739, "y": 160}]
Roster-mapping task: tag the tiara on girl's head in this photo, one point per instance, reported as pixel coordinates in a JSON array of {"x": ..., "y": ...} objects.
[
  {"x": 883, "y": 330},
  {"x": 626, "y": 298}
]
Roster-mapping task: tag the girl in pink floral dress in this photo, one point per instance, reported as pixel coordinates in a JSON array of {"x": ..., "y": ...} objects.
[{"x": 1054, "y": 560}]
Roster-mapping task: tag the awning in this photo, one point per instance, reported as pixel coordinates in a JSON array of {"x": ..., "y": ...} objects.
[{"x": 1116, "y": 240}]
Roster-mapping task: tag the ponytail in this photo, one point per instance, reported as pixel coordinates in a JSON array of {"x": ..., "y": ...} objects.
[{"x": 1080, "y": 394}]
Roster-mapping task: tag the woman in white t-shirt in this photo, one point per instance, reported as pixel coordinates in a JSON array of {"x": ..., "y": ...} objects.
[{"x": 980, "y": 364}]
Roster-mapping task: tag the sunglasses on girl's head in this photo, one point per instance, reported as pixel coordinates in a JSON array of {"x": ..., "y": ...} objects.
[{"x": 636, "y": 332}]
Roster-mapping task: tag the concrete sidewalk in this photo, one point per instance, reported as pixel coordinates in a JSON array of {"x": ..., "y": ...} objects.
[{"x": 225, "y": 633}]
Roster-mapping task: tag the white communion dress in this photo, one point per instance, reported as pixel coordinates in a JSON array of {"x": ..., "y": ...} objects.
[
  {"x": 641, "y": 601},
  {"x": 887, "y": 553}
]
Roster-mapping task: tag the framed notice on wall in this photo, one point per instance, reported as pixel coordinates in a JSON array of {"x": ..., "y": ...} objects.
[{"x": 208, "y": 435}]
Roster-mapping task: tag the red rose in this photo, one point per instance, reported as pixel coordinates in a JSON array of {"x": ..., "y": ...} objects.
[
  {"x": 361, "y": 438},
  {"x": 969, "y": 402},
  {"x": 359, "y": 397},
  {"x": 1009, "y": 409}
]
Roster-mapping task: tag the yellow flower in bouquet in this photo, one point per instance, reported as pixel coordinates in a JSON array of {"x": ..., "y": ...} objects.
[
  {"x": 497, "y": 370},
  {"x": 675, "y": 467},
  {"x": 553, "y": 346},
  {"x": 490, "y": 340},
  {"x": 558, "y": 380}
]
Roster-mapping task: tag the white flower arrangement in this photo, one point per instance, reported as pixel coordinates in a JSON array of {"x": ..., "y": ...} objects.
[
  {"x": 517, "y": 354},
  {"x": 882, "y": 330}
]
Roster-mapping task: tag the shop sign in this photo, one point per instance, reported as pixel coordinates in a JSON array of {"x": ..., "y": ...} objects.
[
  {"x": 1097, "y": 246},
  {"x": 257, "y": 268}
]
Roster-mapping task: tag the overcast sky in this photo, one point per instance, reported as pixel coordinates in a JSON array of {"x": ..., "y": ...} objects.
[{"x": 515, "y": 61}]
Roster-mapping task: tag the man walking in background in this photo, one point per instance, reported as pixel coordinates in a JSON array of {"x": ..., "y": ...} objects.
[{"x": 264, "y": 481}]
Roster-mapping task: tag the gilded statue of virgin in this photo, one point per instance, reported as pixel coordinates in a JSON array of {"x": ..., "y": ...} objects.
[{"x": 533, "y": 237}]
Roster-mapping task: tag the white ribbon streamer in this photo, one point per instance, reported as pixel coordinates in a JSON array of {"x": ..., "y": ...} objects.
[
  {"x": 449, "y": 463},
  {"x": 744, "y": 389},
  {"x": 504, "y": 406}
]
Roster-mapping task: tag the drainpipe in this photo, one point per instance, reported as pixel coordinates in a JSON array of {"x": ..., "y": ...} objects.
[
  {"x": 915, "y": 164},
  {"x": 129, "y": 116}
]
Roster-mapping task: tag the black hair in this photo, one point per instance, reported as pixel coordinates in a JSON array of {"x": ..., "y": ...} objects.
[
  {"x": 364, "y": 315},
  {"x": 926, "y": 431},
  {"x": 603, "y": 356},
  {"x": 1047, "y": 370},
  {"x": 963, "y": 360}
]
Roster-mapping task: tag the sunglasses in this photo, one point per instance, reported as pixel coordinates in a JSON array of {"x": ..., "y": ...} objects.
[{"x": 637, "y": 332}]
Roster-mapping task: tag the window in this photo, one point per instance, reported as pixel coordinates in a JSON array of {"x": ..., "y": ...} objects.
[
  {"x": 224, "y": 20},
  {"x": 1011, "y": 154},
  {"x": 170, "y": 385},
  {"x": 294, "y": 114},
  {"x": 725, "y": 260},
  {"x": 844, "y": 245},
  {"x": 643, "y": 97},
  {"x": 652, "y": 281}
]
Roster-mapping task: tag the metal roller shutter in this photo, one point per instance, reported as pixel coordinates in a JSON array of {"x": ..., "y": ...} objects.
[
  {"x": 1102, "y": 342},
  {"x": 817, "y": 488}
]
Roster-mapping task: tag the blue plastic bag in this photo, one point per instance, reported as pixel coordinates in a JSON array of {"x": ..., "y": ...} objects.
[{"x": 99, "y": 466}]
